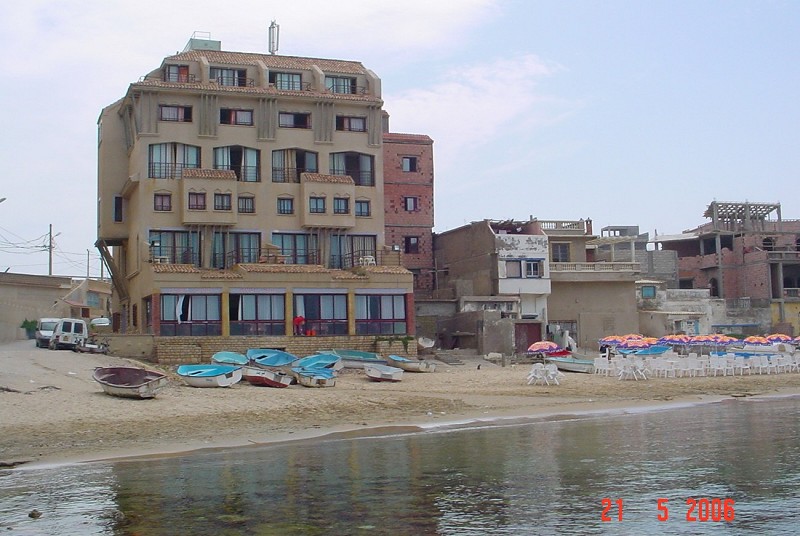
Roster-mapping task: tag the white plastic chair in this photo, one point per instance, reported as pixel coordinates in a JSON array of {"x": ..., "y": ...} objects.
[
  {"x": 552, "y": 374},
  {"x": 740, "y": 364},
  {"x": 537, "y": 374},
  {"x": 602, "y": 366}
]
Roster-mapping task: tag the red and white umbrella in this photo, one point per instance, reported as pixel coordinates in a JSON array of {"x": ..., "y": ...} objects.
[{"x": 543, "y": 347}]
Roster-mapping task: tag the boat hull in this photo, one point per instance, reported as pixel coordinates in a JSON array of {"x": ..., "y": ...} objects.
[
  {"x": 571, "y": 364},
  {"x": 210, "y": 375},
  {"x": 130, "y": 382},
  {"x": 410, "y": 365},
  {"x": 383, "y": 373},
  {"x": 314, "y": 377},
  {"x": 267, "y": 378}
]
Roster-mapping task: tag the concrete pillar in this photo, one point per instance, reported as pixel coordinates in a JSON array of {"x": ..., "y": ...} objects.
[{"x": 225, "y": 313}]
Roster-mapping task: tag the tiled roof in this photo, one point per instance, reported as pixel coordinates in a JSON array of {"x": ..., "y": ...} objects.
[
  {"x": 219, "y": 274},
  {"x": 379, "y": 269},
  {"x": 321, "y": 177},
  {"x": 167, "y": 268},
  {"x": 272, "y": 61},
  {"x": 195, "y": 173},
  {"x": 398, "y": 137},
  {"x": 284, "y": 268}
]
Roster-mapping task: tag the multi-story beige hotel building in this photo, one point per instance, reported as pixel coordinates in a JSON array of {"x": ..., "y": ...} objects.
[{"x": 240, "y": 191}]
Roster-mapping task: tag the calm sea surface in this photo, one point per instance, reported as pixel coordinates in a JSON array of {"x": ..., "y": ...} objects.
[{"x": 737, "y": 459}]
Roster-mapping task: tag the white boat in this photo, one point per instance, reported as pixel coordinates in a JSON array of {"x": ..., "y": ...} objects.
[
  {"x": 410, "y": 365},
  {"x": 319, "y": 377},
  {"x": 383, "y": 373},
  {"x": 210, "y": 375},
  {"x": 266, "y": 377},
  {"x": 572, "y": 364}
]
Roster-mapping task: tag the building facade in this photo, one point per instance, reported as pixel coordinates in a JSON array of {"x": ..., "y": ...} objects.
[
  {"x": 243, "y": 194},
  {"x": 747, "y": 255},
  {"x": 408, "y": 193}
]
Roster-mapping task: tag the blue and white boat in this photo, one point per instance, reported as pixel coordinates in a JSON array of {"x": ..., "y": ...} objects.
[
  {"x": 271, "y": 359},
  {"x": 213, "y": 375},
  {"x": 318, "y": 361},
  {"x": 229, "y": 358},
  {"x": 314, "y": 377},
  {"x": 356, "y": 358},
  {"x": 383, "y": 373}
]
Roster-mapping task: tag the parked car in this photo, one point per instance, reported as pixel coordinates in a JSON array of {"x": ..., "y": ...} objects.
[
  {"x": 68, "y": 333},
  {"x": 44, "y": 330},
  {"x": 100, "y": 322}
]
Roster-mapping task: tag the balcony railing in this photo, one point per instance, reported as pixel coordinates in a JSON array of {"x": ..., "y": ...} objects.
[
  {"x": 166, "y": 255},
  {"x": 595, "y": 267},
  {"x": 783, "y": 255},
  {"x": 289, "y": 174},
  {"x": 243, "y": 173},
  {"x": 558, "y": 225},
  {"x": 361, "y": 178},
  {"x": 791, "y": 292},
  {"x": 234, "y": 81},
  {"x": 168, "y": 170},
  {"x": 291, "y": 86}
]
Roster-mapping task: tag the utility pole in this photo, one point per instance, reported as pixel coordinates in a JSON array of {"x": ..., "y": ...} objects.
[{"x": 50, "y": 251}]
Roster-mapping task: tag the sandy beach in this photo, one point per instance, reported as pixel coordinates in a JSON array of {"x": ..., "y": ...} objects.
[{"x": 52, "y": 411}]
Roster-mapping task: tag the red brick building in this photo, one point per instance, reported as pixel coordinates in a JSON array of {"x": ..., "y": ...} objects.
[{"x": 408, "y": 201}]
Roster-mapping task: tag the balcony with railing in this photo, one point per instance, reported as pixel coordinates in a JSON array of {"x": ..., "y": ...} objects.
[
  {"x": 360, "y": 177},
  {"x": 168, "y": 170},
  {"x": 243, "y": 173},
  {"x": 782, "y": 256},
  {"x": 792, "y": 293},
  {"x": 289, "y": 174},
  {"x": 174, "y": 255},
  {"x": 594, "y": 271}
]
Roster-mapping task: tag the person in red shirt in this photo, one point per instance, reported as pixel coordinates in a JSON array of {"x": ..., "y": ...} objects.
[{"x": 299, "y": 325}]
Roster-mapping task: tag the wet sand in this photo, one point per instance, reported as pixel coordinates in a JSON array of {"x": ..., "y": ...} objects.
[{"x": 52, "y": 411}]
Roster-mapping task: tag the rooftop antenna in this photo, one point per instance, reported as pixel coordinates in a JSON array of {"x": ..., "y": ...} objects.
[{"x": 274, "y": 37}]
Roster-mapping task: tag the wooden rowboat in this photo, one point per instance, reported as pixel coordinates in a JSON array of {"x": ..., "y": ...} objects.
[
  {"x": 130, "y": 382},
  {"x": 572, "y": 364}
]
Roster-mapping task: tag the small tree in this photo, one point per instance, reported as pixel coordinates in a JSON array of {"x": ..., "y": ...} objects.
[{"x": 30, "y": 327}]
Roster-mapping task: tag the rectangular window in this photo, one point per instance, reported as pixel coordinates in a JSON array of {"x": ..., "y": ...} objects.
[
  {"x": 325, "y": 314},
  {"x": 286, "y": 81},
  {"x": 191, "y": 314},
  {"x": 222, "y": 201},
  {"x": 179, "y": 247},
  {"x": 257, "y": 314},
  {"x": 411, "y": 244},
  {"x": 380, "y": 314},
  {"x": 409, "y": 164},
  {"x": 285, "y": 205},
  {"x": 513, "y": 269},
  {"x": 117, "y": 209},
  {"x": 167, "y": 160},
  {"x": 648, "y": 291},
  {"x": 182, "y": 114},
  {"x": 341, "y": 205},
  {"x": 533, "y": 269},
  {"x": 294, "y": 120},
  {"x": 177, "y": 73},
  {"x": 229, "y": 116},
  {"x": 411, "y": 204},
  {"x": 162, "y": 202},
  {"x": 316, "y": 205},
  {"x": 352, "y": 124},
  {"x": 247, "y": 204},
  {"x": 230, "y": 248},
  {"x": 298, "y": 248},
  {"x": 360, "y": 167},
  {"x": 244, "y": 161},
  {"x": 362, "y": 209},
  {"x": 559, "y": 251},
  {"x": 229, "y": 77},
  {"x": 288, "y": 164},
  {"x": 341, "y": 84},
  {"x": 197, "y": 200}
]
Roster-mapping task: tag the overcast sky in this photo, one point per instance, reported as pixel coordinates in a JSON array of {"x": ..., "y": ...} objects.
[{"x": 626, "y": 112}]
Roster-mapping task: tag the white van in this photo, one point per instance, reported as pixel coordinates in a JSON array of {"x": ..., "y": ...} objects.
[
  {"x": 44, "y": 330},
  {"x": 68, "y": 333}
]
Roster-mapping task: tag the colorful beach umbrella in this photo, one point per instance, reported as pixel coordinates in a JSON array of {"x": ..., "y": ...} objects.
[
  {"x": 611, "y": 340},
  {"x": 543, "y": 347},
  {"x": 635, "y": 343},
  {"x": 778, "y": 337},
  {"x": 796, "y": 340},
  {"x": 757, "y": 340},
  {"x": 674, "y": 339}
]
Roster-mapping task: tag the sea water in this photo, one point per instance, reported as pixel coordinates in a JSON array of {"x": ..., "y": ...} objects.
[{"x": 731, "y": 467}]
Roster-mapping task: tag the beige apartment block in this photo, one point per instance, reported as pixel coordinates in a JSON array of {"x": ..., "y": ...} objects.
[{"x": 238, "y": 191}]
